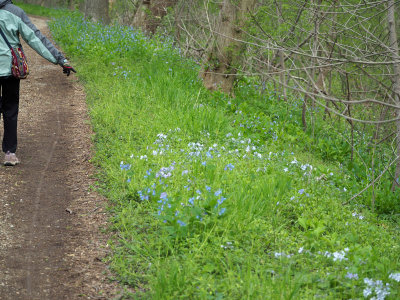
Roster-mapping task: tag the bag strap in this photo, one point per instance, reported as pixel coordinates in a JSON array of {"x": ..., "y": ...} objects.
[{"x": 4, "y": 37}]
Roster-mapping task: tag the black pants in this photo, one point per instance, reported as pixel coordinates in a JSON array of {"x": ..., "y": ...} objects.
[{"x": 9, "y": 103}]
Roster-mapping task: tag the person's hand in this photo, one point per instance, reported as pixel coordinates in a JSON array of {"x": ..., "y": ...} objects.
[{"x": 67, "y": 68}]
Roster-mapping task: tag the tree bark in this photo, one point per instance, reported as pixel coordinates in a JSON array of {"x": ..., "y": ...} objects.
[
  {"x": 150, "y": 13},
  {"x": 142, "y": 15},
  {"x": 396, "y": 79},
  {"x": 97, "y": 10},
  {"x": 219, "y": 69},
  {"x": 282, "y": 76}
]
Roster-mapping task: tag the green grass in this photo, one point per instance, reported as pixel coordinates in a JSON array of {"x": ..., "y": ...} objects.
[
  {"x": 41, "y": 10},
  {"x": 217, "y": 198}
]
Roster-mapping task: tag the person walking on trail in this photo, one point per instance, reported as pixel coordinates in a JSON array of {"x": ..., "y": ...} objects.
[{"x": 15, "y": 23}]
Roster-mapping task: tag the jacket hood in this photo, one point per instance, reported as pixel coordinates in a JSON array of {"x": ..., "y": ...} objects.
[{"x": 4, "y": 2}]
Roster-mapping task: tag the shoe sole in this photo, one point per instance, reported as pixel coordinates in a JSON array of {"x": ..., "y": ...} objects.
[{"x": 10, "y": 164}]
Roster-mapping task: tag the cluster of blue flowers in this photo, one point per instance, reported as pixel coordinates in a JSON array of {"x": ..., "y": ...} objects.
[
  {"x": 169, "y": 209},
  {"x": 234, "y": 148},
  {"x": 373, "y": 289}
]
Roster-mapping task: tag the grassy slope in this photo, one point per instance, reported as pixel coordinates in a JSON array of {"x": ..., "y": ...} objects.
[{"x": 212, "y": 197}]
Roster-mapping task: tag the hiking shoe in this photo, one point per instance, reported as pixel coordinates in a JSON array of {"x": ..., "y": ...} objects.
[{"x": 10, "y": 159}]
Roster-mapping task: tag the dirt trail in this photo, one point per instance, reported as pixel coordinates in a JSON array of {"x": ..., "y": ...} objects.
[{"x": 50, "y": 245}]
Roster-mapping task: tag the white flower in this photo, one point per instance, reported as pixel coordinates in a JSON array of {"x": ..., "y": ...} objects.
[
  {"x": 285, "y": 169},
  {"x": 282, "y": 254},
  {"x": 351, "y": 275},
  {"x": 367, "y": 291},
  {"x": 381, "y": 291},
  {"x": 339, "y": 256},
  {"x": 161, "y": 136},
  {"x": 359, "y": 216},
  {"x": 395, "y": 276}
]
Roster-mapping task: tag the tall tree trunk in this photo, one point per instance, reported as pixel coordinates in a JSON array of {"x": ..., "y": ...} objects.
[
  {"x": 313, "y": 85},
  {"x": 97, "y": 10},
  {"x": 282, "y": 76},
  {"x": 159, "y": 10},
  {"x": 142, "y": 15},
  {"x": 150, "y": 13},
  {"x": 219, "y": 68},
  {"x": 396, "y": 78},
  {"x": 330, "y": 43}
]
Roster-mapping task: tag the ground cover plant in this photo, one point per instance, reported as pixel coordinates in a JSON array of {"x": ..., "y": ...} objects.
[
  {"x": 215, "y": 197},
  {"x": 38, "y": 10}
]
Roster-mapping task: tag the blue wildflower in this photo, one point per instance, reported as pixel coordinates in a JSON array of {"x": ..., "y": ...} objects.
[
  {"x": 191, "y": 200},
  {"x": 351, "y": 275},
  {"x": 217, "y": 193},
  {"x": 208, "y": 188},
  {"x": 124, "y": 166},
  {"x": 229, "y": 167},
  {"x": 301, "y": 191},
  {"x": 181, "y": 223},
  {"x": 221, "y": 200},
  {"x": 222, "y": 211},
  {"x": 163, "y": 195}
]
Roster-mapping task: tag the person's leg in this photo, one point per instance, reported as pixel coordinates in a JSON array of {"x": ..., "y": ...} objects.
[
  {"x": 1, "y": 88},
  {"x": 10, "y": 105}
]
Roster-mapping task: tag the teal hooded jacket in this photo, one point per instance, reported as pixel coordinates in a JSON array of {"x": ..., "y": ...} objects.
[{"x": 15, "y": 24}]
